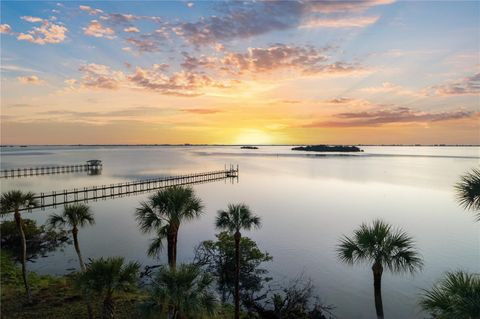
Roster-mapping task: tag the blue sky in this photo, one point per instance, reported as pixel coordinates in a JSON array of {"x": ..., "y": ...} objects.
[{"x": 374, "y": 71}]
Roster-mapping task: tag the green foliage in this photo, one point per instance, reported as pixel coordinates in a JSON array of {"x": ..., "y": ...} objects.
[
  {"x": 76, "y": 215},
  {"x": 218, "y": 258},
  {"x": 40, "y": 240},
  {"x": 54, "y": 297},
  {"x": 468, "y": 191},
  {"x": 184, "y": 293},
  {"x": 296, "y": 300},
  {"x": 16, "y": 199},
  {"x": 379, "y": 244},
  {"x": 165, "y": 211},
  {"x": 236, "y": 218},
  {"x": 457, "y": 295},
  {"x": 106, "y": 276}
]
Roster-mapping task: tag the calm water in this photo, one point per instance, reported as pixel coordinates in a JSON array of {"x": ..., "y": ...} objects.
[{"x": 306, "y": 204}]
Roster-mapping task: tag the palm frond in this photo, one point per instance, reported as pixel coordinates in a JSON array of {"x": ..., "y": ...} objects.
[
  {"x": 168, "y": 206},
  {"x": 55, "y": 221},
  {"x": 468, "y": 191},
  {"x": 76, "y": 215},
  {"x": 378, "y": 243},
  {"x": 147, "y": 218},
  {"x": 349, "y": 252},
  {"x": 457, "y": 295},
  {"x": 108, "y": 275},
  {"x": 187, "y": 289},
  {"x": 156, "y": 245},
  {"x": 236, "y": 218},
  {"x": 15, "y": 199}
]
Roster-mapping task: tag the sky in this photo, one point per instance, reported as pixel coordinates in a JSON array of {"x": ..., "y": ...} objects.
[{"x": 253, "y": 72}]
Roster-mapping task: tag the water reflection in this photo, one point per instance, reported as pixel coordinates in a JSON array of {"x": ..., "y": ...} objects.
[{"x": 306, "y": 204}]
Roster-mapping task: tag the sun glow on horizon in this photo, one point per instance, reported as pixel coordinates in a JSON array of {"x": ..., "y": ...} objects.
[{"x": 253, "y": 136}]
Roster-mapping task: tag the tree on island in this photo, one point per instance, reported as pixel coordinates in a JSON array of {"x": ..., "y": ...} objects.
[
  {"x": 468, "y": 191},
  {"x": 383, "y": 247},
  {"x": 163, "y": 213},
  {"x": 13, "y": 201},
  {"x": 237, "y": 217}
]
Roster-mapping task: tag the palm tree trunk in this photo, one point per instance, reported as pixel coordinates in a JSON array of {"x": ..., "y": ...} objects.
[
  {"x": 171, "y": 250},
  {"x": 77, "y": 247},
  {"x": 19, "y": 223},
  {"x": 82, "y": 268},
  {"x": 175, "y": 241},
  {"x": 237, "y": 236},
  {"x": 108, "y": 307},
  {"x": 377, "y": 287}
]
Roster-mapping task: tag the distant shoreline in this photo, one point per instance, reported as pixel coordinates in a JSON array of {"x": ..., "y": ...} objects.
[{"x": 235, "y": 145}]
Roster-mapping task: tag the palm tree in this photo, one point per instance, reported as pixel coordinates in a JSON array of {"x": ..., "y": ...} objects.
[
  {"x": 183, "y": 293},
  {"x": 236, "y": 218},
  {"x": 73, "y": 216},
  {"x": 163, "y": 213},
  {"x": 106, "y": 277},
  {"x": 13, "y": 201},
  {"x": 383, "y": 247},
  {"x": 457, "y": 295},
  {"x": 468, "y": 191}
]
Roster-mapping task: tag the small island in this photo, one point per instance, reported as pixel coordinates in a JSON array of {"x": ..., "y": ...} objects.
[
  {"x": 327, "y": 148},
  {"x": 249, "y": 148}
]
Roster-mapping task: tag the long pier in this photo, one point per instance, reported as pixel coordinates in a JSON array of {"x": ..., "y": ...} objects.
[
  {"x": 93, "y": 193},
  {"x": 35, "y": 171}
]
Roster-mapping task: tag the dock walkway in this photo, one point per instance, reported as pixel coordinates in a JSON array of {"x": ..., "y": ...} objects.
[
  {"x": 93, "y": 193},
  {"x": 45, "y": 170}
]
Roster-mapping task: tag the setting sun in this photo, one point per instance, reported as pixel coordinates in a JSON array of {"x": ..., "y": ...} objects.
[{"x": 253, "y": 136}]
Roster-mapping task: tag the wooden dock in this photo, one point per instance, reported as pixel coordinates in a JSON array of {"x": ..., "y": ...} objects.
[
  {"x": 94, "y": 193},
  {"x": 35, "y": 171}
]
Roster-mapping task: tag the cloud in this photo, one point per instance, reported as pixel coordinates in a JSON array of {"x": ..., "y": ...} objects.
[
  {"x": 328, "y": 6},
  {"x": 32, "y": 19},
  {"x": 48, "y": 32},
  {"x": 180, "y": 83},
  {"x": 388, "y": 87},
  {"x": 390, "y": 116},
  {"x": 240, "y": 22},
  {"x": 348, "y": 22},
  {"x": 100, "y": 76},
  {"x": 119, "y": 18},
  {"x": 465, "y": 86},
  {"x": 16, "y": 68},
  {"x": 144, "y": 43},
  {"x": 31, "y": 79},
  {"x": 154, "y": 79},
  {"x": 96, "y": 29},
  {"x": 202, "y": 110},
  {"x": 190, "y": 4},
  {"x": 21, "y": 105},
  {"x": 275, "y": 57},
  {"x": 306, "y": 60},
  {"x": 131, "y": 30},
  {"x": 244, "y": 20},
  {"x": 133, "y": 111},
  {"x": 339, "y": 100},
  {"x": 5, "y": 28},
  {"x": 191, "y": 63},
  {"x": 90, "y": 10}
]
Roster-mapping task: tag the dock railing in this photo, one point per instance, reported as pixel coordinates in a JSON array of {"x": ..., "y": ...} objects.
[{"x": 93, "y": 193}]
